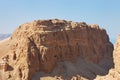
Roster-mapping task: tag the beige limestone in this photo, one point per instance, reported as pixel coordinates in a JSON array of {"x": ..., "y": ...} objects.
[{"x": 40, "y": 46}]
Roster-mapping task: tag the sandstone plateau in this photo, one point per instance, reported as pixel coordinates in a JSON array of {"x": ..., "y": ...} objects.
[{"x": 57, "y": 50}]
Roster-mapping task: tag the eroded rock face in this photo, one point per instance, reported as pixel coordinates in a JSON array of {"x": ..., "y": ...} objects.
[
  {"x": 40, "y": 45},
  {"x": 114, "y": 74},
  {"x": 117, "y": 55}
]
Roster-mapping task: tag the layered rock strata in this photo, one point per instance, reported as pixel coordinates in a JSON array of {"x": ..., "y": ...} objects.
[{"x": 42, "y": 44}]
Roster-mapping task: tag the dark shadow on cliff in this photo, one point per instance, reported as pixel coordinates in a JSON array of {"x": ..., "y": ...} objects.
[
  {"x": 80, "y": 69},
  {"x": 9, "y": 68}
]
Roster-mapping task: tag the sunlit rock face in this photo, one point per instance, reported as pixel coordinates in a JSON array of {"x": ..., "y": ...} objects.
[
  {"x": 42, "y": 45},
  {"x": 117, "y": 54}
]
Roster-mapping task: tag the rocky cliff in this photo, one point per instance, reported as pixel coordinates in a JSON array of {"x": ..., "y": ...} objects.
[
  {"x": 117, "y": 55},
  {"x": 58, "y": 48},
  {"x": 114, "y": 73}
]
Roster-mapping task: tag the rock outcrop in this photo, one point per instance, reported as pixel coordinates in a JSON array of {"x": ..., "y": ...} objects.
[
  {"x": 114, "y": 74},
  {"x": 46, "y": 45},
  {"x": 117, "y": 55}
]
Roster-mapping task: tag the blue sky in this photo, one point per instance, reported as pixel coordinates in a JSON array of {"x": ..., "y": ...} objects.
[{"x": 106, "y": 13}]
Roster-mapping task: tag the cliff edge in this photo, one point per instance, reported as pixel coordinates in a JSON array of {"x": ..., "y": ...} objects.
[{"x": 58, "y": 49}]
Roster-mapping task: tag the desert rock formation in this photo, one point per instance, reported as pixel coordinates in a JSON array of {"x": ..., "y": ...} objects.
[
  {"x": 117, "y": 55},
  {"x": 58, "y": 48},
  {"x": 114, "y": 73}
]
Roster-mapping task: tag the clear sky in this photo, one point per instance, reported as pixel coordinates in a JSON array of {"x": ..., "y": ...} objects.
[{"x": 106, "y": 13}]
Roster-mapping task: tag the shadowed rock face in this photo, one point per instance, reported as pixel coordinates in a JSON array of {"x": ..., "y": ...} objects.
[
  {"x": 43, "y": 45},
  {"x": 114, "y": 74}
]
